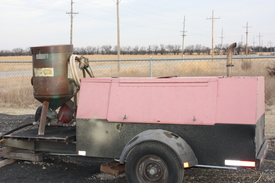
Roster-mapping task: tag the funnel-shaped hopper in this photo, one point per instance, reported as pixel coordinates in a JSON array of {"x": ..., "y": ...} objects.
[{"x": 50, "y": 74}]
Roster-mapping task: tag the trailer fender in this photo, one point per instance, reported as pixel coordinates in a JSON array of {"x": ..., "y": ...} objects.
[{"x": 170, "y": 139}]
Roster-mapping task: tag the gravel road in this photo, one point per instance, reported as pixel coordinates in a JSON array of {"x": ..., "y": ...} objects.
[{"x": 82, "y": 169}]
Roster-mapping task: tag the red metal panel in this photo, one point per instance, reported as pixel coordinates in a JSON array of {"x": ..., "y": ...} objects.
[
  {"x": 240, "y": 100},
  {"x": 198, "y": 101},
  {"x": 166, "y": 100},
  {"x": 94, "y": 98}
]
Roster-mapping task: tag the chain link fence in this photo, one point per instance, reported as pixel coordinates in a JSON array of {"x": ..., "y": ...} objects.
[{"x": 17, "y": 93}]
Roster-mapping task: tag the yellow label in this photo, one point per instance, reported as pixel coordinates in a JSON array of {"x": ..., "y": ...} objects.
[{"x": 43, "y": 72}]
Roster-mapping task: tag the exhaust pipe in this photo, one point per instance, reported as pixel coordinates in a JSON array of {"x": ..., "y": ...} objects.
[{"x": 229, "y": 59}]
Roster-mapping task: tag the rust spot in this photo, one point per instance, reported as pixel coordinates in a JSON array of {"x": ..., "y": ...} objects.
[
  {"x": 170, "y": 135},
  {"x": 119, "y": 126},
  {"x": 167, "y": 134}
]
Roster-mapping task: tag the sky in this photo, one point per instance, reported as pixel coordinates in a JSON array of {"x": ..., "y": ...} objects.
[{"x": 27, "y": 23}]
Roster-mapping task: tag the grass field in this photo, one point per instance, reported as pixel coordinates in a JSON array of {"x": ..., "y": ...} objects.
[{"x": 16, "y": 91}]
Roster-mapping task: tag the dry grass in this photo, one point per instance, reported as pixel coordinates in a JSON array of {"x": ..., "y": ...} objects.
[
  {"x": 16, "y": 91},
  {"x": 15, "y": 67},
  {"x": 16, "y": 58}
]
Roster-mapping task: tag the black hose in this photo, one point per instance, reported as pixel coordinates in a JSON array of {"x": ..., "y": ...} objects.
[{"x": 15, "y": 129}]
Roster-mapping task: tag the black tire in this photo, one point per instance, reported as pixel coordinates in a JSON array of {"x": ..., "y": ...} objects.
[
  {"x": 153, "y": 162},
  {"x": 38, "y": 114}
]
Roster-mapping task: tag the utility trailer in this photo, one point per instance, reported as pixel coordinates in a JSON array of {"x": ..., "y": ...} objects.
[{"x": 155, "y": 126}]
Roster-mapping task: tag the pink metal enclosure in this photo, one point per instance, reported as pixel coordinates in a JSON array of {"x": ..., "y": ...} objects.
[{"x": 194, "y": 101}]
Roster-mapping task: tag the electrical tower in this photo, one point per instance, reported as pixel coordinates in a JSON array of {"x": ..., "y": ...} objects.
[
  {"x": 260, "y": 41},
  {"x": 183, "y": 35},
  {"x": 72, "y": 14},
  {"x": 212, "y": 18},
  {"x": 222, "y": 38},
  {"x": 246, "y": 46}
]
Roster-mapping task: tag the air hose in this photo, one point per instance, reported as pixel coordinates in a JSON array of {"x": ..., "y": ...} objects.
[
  {"x": 74, "y": 71},
  {"x": 83, "y": 65}
]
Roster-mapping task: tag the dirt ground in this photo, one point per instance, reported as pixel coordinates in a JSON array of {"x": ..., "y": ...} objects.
[{"x": 56, "y": 168}]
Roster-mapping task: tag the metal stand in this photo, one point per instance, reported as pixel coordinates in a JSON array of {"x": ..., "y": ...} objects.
[{"x": 43, "y": 118}]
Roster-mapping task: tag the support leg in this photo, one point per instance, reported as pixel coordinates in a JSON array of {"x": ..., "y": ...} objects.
[{"x": 43, "y": 118}]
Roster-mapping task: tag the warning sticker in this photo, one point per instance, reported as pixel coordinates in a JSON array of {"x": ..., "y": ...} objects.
[{"x": 43, "y": 72}]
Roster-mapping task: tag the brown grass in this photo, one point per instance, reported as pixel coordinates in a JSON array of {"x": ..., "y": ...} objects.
[
  {"x": 16, "y": 92},
  {"x": 16, "y": 58}
]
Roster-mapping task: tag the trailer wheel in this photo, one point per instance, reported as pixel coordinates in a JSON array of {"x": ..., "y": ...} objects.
[
  {"x": 153, "y": 162},
  {"x": 38, "y": 113}
]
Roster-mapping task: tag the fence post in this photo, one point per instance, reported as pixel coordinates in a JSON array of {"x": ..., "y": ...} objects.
[{"x": 151, "y": 67}]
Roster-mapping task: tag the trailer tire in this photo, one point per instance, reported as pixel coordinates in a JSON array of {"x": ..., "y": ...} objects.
[
  {"x": 37, "y": 114},
  {"x": 153, "y": 162}
]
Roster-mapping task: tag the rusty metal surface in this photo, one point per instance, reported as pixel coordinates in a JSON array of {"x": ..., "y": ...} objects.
[
  {"x": 50, "y": 74},
  {"x": 229, "y": 59},
  {"x": 52, "y": 49}
]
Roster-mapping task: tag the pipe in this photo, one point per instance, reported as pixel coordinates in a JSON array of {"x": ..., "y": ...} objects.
[{"x": 229, "y": 59}]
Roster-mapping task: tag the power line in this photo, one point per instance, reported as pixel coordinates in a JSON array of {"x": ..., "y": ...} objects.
[
  {"x": 72, "y": 14},
  {"x": 246, "y": 46},
  {"x": 212, "y": 18}
]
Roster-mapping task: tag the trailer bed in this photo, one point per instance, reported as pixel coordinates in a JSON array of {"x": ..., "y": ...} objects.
[
  {"x": 57, "y": 134},
  {"x": 56, "y": 139}
]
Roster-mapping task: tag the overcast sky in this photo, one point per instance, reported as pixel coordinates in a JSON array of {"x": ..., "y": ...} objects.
[{"x": 26, "y": 23}]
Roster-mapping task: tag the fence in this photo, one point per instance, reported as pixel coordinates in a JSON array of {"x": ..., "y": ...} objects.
[{"x": 17, "y": 94}]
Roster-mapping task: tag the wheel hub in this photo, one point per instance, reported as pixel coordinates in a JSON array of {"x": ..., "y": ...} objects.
[{"x": 151, "y": 169}]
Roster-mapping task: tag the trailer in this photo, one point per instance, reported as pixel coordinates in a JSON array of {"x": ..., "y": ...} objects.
[{"x": 157, "y": 127}]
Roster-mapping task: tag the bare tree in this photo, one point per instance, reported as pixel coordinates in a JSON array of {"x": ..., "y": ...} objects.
[
  {"x": 18, "y": 51},
  {"x": 149, "y": 49},
  {"x": 177, "y": 49},
  {"x": 198, "y": 49},
  {"x": 189, "y": 49},
  {"x": 106, "y": 49},
  {"x": 155, "y": 49},
  {"x": 135, "y": 50},
  {"x": 162, "y": 49}
]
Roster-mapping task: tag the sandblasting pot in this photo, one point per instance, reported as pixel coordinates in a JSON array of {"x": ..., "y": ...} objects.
[{"x": 50, "y": 74}]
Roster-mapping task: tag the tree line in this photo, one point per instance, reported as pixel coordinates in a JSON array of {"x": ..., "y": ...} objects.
[{"x": 150, "y": 50}]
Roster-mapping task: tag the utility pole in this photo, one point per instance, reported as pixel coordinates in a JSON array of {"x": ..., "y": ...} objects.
[
  {"x": 72, "y": 14},
  {"x": 259, "y": 40},
  {"x": 183, "y": 35},
  {"x": 221, "y": 39},
  {"x": 212, "y": 18},
  {"x": 270, "y": 45},
  {"x": 118, "y": 33},
  {"x": 246, "y": 46}
]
